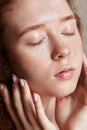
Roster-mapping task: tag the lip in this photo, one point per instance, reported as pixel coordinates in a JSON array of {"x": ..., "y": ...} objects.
[{"x": 65, "y": 73}]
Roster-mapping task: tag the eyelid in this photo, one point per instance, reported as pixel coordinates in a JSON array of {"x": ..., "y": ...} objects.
[
  {"x": 69, "y": 27},
  {"x": 35, "y": 37},
  {"x": 36, "y": 43}
]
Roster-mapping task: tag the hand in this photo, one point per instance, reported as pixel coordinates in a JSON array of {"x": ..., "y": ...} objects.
[
  {"x": 71, "y": 111},
  {"x": 26, "y": 112}
]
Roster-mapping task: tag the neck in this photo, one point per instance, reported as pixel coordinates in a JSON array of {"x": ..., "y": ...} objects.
[{"x": 49, "y": 107}]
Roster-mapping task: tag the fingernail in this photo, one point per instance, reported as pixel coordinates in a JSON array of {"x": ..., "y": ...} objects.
[
  {"x": 22, "y": 83},
  {"x": 1, "y": 87},
  {"x": 35, "y": 97},
  {"x": 14, "y": 78}
]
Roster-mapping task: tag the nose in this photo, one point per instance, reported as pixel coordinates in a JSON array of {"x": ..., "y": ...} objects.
[
  {"x": 60, "y": 52},
  {"x": 60, "y": 49}
]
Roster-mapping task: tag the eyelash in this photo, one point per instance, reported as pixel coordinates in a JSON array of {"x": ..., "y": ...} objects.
[
  {"x": 36, "y": 43},
  {"x": 68, "y": 34}
]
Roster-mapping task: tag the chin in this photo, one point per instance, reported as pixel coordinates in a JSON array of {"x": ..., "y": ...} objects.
[{"x": 65, "y": 89}]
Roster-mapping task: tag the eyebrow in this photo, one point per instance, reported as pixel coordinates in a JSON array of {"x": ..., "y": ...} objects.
[
  {"x": 69, "y": 17},
  {"x": 28, "y": 29}
]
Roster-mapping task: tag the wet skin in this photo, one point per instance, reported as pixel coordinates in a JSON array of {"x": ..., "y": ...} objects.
[{"x": 44, "y": 46}]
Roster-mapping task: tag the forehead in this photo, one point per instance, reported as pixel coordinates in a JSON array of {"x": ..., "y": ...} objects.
[{"x": 29, "y": 12}]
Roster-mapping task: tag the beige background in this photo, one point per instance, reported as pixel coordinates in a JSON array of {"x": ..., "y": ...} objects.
[{"x": 81, "y": 6}]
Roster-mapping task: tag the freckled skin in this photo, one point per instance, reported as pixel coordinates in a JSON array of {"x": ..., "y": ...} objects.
[{"x": 39, "y": 63}]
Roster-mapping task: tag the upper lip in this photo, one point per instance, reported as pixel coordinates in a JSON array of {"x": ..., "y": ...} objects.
[{"x": 64, "y": 69}]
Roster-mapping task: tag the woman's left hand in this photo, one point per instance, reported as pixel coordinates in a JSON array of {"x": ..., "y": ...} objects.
[
  {"x": 71, "y": 111},
  {"x": 26, "y": 111}
]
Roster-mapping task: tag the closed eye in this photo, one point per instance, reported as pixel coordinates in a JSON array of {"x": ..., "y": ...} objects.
[
  {"x": 68, "y": 33},
  {"x": 36, "y": 43}
]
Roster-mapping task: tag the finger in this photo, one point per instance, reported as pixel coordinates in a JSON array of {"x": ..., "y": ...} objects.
[
  {"x": 18, "y": 103},
  {"x": 27, "y": 101},
  {"x": 44, "y": 122},
  {"x": 7, "y": 100},
  {"x": 84, "y": 61}
]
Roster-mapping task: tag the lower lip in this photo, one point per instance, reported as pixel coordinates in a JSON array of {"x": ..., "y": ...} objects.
[{"x": 65, "y": 74}]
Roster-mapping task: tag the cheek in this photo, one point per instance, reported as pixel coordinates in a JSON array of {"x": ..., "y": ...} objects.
[
  {"x": 35, "y": 70},
  {"x": 30, "y": 66},
  {"x": 76, "y": 47},
  {"x": 78, "y": 55},
  {"x": 79, "y": 51}
]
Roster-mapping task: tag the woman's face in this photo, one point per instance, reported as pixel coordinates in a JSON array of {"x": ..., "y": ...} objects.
[{"x": 44, "y": 45}]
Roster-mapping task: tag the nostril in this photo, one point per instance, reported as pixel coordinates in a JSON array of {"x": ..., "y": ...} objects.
[
  {"x": 60, "y": 53},
  {"x": 60, "y": 56}
]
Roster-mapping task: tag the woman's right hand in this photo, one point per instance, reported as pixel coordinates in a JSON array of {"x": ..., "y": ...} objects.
[
  {"x": 26, "y": 111},
  {"x": 71, "y": 111}
]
